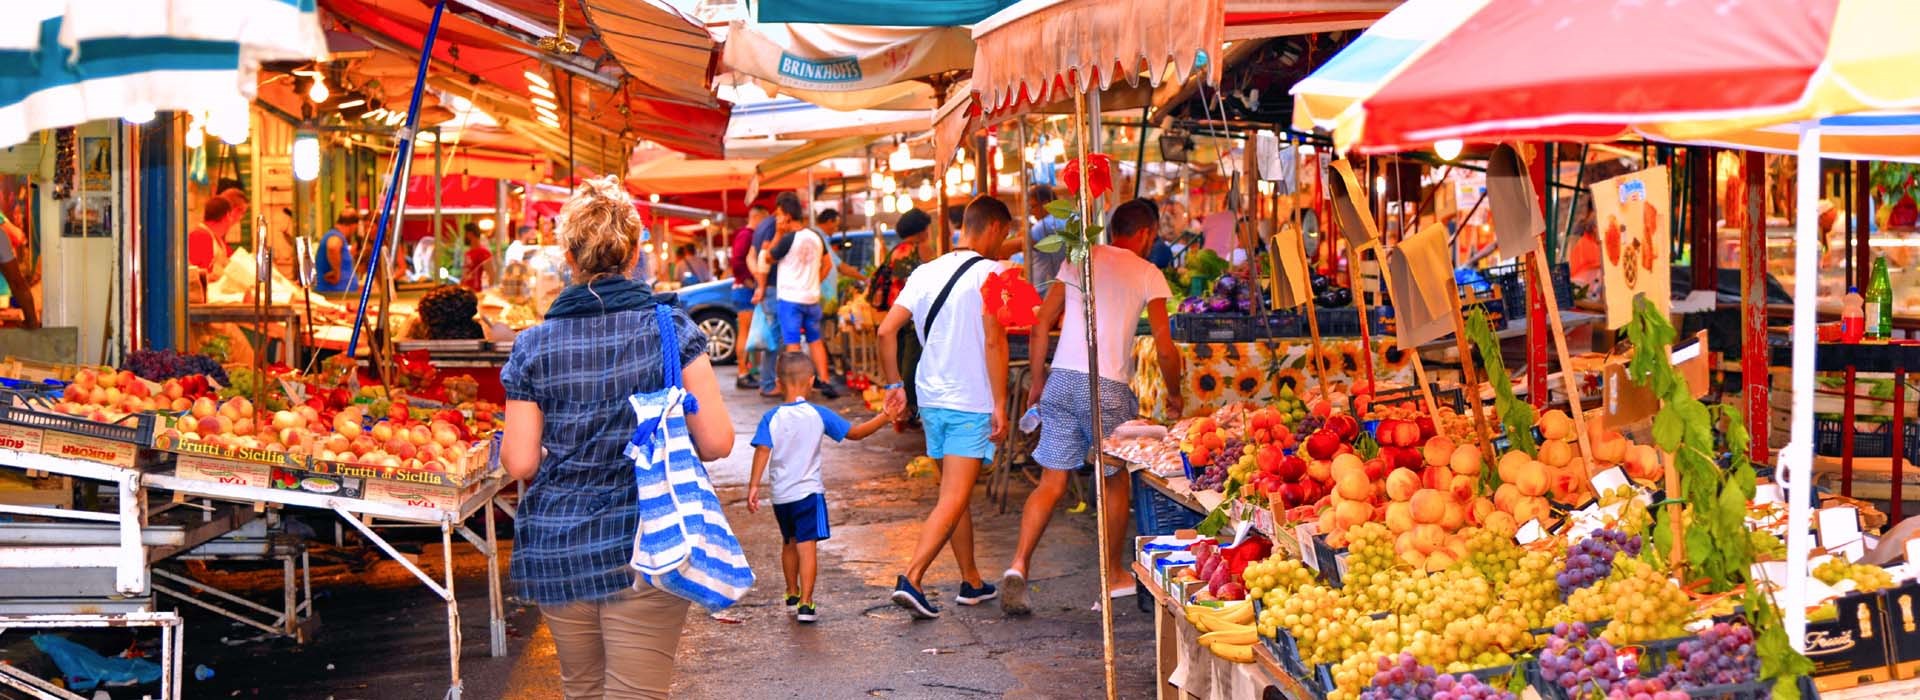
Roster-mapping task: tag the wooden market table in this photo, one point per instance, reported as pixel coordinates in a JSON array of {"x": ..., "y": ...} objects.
[{"x": 1171, "y": 631}]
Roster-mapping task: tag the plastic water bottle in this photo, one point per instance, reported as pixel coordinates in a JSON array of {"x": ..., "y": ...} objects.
[
  {"x": 1030, "y": 421},
  {"x": 1853, "y": 316}
]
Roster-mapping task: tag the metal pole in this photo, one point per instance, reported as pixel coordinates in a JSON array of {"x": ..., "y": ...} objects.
[
  {"x": 1081, "y": 113},
  {"x": 1796, "y": 461},
  {"x": 402, "y": 160},
  {"x": 1026, "y": 204},
  {"x": 1140, "y": 161},
  {"x": 439, "y": 187}
]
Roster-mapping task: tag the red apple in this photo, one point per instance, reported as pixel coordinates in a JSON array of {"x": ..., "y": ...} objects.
[
  {"x": 1322, "y": 444},
  {"x": 1291, "y": 468}
]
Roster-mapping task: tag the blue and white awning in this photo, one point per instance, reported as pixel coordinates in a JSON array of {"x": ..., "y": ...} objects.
[
  {"x": 266, "y": 30},
  {"x": 68, "y": 62}
]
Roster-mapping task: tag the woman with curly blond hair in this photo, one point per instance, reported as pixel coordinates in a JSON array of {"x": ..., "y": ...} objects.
[{"x": 568, "y": 425}]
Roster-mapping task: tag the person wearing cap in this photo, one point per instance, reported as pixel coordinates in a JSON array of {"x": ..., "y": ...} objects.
[
  {"x": 915, "y": 247},
  {"x": 333, "y": 267}
]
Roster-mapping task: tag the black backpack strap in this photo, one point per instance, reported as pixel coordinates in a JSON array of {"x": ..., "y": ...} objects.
[{"x": 933, "y": 312}]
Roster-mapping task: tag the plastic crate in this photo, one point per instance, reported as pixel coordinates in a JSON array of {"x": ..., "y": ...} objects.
[
  {"x": 1345, "y": 322},
  {"x": 1156, "y": 514},
  {"x": 1512, "y": 282},
  {"x": 1213, "y": 328},
  {"x": 1281, "y": 324},
  {"x": 139, "y": 432},
  {"x": 1874, "y": 442},
  {"x": 1017, "y": 347},
  {"x": 1286, "y": 650}
]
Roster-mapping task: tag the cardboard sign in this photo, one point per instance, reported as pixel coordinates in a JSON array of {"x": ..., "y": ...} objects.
[
  {"x": 1624, "y": 403},
  {"x": 1634, "y": 241},
  {"x": 1421, "y": 274},
  {"x": 1350, "y": 207},
  {"x": 1512, "y": 202}
]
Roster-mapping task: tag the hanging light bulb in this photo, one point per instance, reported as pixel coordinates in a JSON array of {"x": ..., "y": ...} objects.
[
  {"x": 1448, "y": 149},
  {"x": 654, "y": 198},
  {"x": 968, "y": 172},
  {"x": 1030, "y": 154},
  {"x": 1380, "y": 186},
  {"x": 926, "y": 190},
  {"x": 953, "y": 173},
  {"x": 901, "y": 159},
  {"x": 319, "y": 92},
  {"x": 889, "y": 185},
  {"x": 196, "y": 134},
  {"x": 874, "y": 179},
  {"x": 959, "y": 155},
  {"x": 1005, "y": 181},
  {"x": 231, "y": 124},
  {"x": 999, "y": 160},
  {"x": 306, "y": 157},
  {"x": 903, "y": 202}
]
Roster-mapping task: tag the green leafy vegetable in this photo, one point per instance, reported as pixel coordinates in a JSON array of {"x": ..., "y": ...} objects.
[{"x": 1516, "y": 416}]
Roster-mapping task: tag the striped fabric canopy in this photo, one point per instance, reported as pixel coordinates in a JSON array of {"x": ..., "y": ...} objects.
[
  {"x": 1489, "y": 70},
  {"x": 65, "y": 62}
]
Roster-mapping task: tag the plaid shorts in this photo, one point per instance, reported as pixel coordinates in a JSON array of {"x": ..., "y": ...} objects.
[{"x": 1066, "y": 428}]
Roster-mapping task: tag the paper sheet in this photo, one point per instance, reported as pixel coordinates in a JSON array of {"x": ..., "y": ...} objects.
[
  {"x": 1634, "y": 239},
  {"x": 1350, "y": 206},
  {"x": 1421, "y": 274},
  {"x": 1512, "y": 202}
]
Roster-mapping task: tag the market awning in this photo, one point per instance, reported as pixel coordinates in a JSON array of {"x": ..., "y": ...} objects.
[
  {"x": 266, "y": 30},
  {"x": 669, "y": 53},
  {"x": 472, "y": 60},
  {"x": 786, "y": 118},
  {"x": 799, "y": 159},
  {"x": 895, "y": 13},
  {"x": 1444, "y": 69},
  {"x": 53, "y": 86},
  {"x": 674, "y": 173},
  {"x": 844, "y": 59},
  {"x": 1040, "y": 50}
]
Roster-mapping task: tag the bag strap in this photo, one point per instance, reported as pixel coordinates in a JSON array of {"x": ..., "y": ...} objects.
[
  {"x": 670, "y": 352},
  {"x": 939, "y": 302}
]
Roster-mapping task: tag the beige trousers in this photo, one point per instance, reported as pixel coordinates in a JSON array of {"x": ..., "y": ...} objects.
[{"x": 619, "y": 648}]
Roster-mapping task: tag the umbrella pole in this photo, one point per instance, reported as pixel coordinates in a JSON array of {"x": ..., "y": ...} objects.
[
  {"x": 1080, "y": 114},
  {"x": 1799, "y": 451},
  {"x": 402, "y": 159}
]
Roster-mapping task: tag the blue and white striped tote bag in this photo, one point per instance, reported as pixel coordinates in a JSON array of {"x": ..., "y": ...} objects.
[{"x": 684, "y": 545}]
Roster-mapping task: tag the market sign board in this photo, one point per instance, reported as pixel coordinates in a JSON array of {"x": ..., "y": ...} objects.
[{"x": 1634, "y": 242}]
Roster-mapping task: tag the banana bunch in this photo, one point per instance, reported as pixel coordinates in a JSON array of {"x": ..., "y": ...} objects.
[{"x": 1227, "y": 631}]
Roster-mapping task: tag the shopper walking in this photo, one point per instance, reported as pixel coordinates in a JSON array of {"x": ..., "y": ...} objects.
[
  {"x": 962, "y": 383},
  {"x": 568, "y": 426},
  {"x": 1124, "y": 284},
  {"x": 801, "y": 265},
  {"x": 888, "y": 277},
  {"x": 740, "y": 255}
]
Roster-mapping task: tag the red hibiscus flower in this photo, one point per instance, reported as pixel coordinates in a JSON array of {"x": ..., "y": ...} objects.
[
  {"x": 1010, "y": 298},
  {"x": 1099, "y": 174}
]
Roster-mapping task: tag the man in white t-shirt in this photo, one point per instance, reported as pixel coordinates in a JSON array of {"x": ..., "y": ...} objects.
[
  {"x": 1124, "y": 284},
  {"x": 801, "y": 267},
  {"x": 961, "y": 384}
]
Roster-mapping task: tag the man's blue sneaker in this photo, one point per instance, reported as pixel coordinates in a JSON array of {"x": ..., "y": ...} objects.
[
  {"x": 906, "y": 596},
  {"x": 807, "y": 613},
  {"x": 975, "y": 596}
]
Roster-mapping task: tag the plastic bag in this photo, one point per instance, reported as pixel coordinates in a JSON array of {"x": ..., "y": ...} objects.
[{"x": 86, "y": 669}]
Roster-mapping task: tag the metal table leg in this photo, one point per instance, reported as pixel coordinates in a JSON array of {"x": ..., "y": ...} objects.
[
  {"x": 453, "y": 610},
  {"x": 1846, "y": 437},
  {"x": 496, "y": 605}
]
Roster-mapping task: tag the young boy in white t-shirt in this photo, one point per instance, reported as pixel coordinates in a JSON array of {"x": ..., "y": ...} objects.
[
  {"x": 1124, "y": 285},
  {"x": 789, "y": 440}
]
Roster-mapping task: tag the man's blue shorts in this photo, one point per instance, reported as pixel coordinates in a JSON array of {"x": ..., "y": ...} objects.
[
  {"x": 742, "y": 299},
  {"x": 804, "y": 520},
  {"x": 957, "y": 433},
  {"x": 799, "y": 323}
]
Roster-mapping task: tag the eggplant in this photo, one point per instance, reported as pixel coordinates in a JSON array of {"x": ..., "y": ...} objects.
[
  {"x": 1320, "y": 283},
  {"x": 1342, "y": 297},
  {"x": 1219, "y": 304},
  {"x": 1193, "y": 305}
]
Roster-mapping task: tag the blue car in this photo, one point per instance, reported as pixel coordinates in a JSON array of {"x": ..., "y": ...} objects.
[{"x": 711, "y": 303}]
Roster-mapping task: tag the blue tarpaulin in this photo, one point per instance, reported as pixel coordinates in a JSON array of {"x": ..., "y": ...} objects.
[{"x": 891, "y": 13}]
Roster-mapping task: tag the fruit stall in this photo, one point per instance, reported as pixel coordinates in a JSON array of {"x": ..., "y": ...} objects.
[
  {"x": 1362, "y": 549},
  {"x": 202, "y": 460}
]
